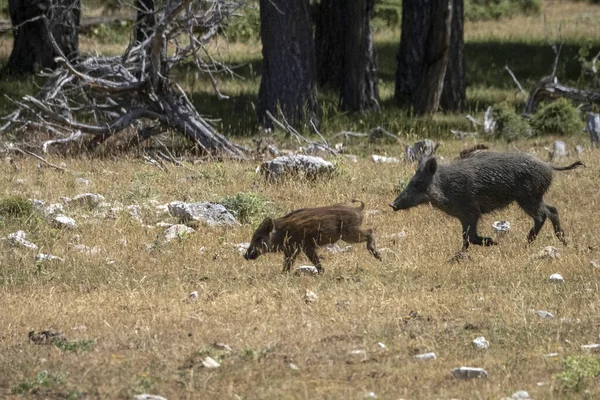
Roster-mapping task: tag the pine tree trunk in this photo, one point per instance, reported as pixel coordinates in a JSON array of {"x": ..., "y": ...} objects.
[
  {"x": 359, "y": 90},
  {"x": 288, "y": 70},
  {"x": 423, "y": 54},
  {"x": 454, "y": 93},
  {"x": 32, "y": 49},
  {"x": 329, "y": 36}
]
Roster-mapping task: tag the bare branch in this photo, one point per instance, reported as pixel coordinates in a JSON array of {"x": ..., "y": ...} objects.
[{"x": 515, "y": 79}]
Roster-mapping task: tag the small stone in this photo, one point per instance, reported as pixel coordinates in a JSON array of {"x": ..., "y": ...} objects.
[
  {"x": 426, "y": 356},
  {"x": 481, "y": 343},
  {"x": 469, "y": 373},
  {"x": 242, "y": 247},
  {"x": 549, "y": 252},
  {"x": 163, "y": 224},
  {"x": 501, "y": 227},
  {"x": 212, "y": 213},
  {"x": 293, "y": 367},
  {"x": 63, "y": 222},
  {"x": 19, "y": 238},
  {"x": 83, "y": 182},
  {"x": 382, "y": 345},
  {"x": 135, "y": 212},
  {"x": 177, "y": 232},
  {"x": 521, "y": 394},
  {"x": 544, "y": 314},
  {"x": 302, "y": 165},
  {"x": 209, "y": 362},
  {"x": 148, "y": 397},
  {"x": 591, "y": 347},
  {"x": 193, "y": 297},
  {"x": 87, "y": 250},
  {"x": 41, "y": 257},
  {"x": 222, "y": 346},
  {"x": 551, "y": 355},
  {"x": 556, "y": 278},
  {"x": 359, "y": 352},
  {"x": 594, "y": 264},
  {"x": 89, "y": 200},
  {"x": 370, "y": 395},
  {"x": 384, "y": 160},
  {"x": 80, "y": 328},
  {"x": 578, "y": 149},
  {"x": 335, "y": 248},
  {"x": 19, "y": 181},
  {"x": 310, "y": 297},
  {"x": 307, "y": 269},
  {"x": 540, "y": 384},
  {"x": 559, "y": 150},
  {"x": 53, "y": 209}
]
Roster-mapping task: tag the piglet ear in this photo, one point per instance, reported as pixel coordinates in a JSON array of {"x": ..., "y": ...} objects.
[
  {"x": 431, "y": 165},
  {"x": 266, "y": 226}
]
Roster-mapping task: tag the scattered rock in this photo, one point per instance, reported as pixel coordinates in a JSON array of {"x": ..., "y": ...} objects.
[
  {"x": 148, "y": 397},
  {"x": 469, "y": 373},
  {"x": 19, "y": 181},
  {"x": 370, "y": 395},
  {"x": 307, "y": 166},
  {"x": 135, "y": 212},
  {"x": 163, "y": 224},
  {"x": 212, "y": 213},
  {"x": 80, "y": 328},
  {"x": 556, "y": 278},
  {"x": 551, "y": 355},
  {"x": 310, "y": 297},
  {"x": 591, "y": 347},
  {"x": 177, "y": 232},
  {"x": 193, "y": 297},
  {"x": 544, "y": 314},
  {"x": 426, "y": 356},
  {"x": 89, "y": 200},
  {"x": 396, "y": 237},
  {"x": 293, "y": 367},
  {"x": 45, "y": 337},
  {"x": 481, "y": 343},
  {"x": 242, "y": 247},
  {"x": 222, "y": 346},
  {"x": 307, "y": 269},
  {"x": 359, "y": 352},
  {"x": 41, "y": 257},
  {"x": 209, "y": 362},
  {"x": 63, "y": 222},
  {"x": 559, "y": 150},
  {"x": 335, "y": 248},
  {"x": 87, "y": 250},
  {"x": 384, "y": 160},
  {"x": 83, "y": 182},
  {"x": 351, "y": 157},
  {"x": 578, "y": 149},
  {"x": 501, "y": 227},
  {"x": 521, "y": 394},
  {"x": 540, "y": 384},
  {"x": 53, "y": 209},
  {"x": 19, "y": 238},
  {"x": 382, "y": 345},
  {"x": 594, "y": 264},
  {"x": 422, "y": 148},
  {"x": 549, "y": 252}
]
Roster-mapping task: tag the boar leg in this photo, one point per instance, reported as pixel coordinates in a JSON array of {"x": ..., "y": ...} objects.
[
  {"x": 470, "y": 236},
  {"x": 362, "y": 235},
  {"x": 289, "y": 257},
  {"x": 538, "y": 212},
  {"x": 311, "y": 253},
  {"x": 552, "y": 213}
]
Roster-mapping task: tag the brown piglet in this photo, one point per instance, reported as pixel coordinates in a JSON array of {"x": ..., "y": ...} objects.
[{"x": 307, "y": 228}]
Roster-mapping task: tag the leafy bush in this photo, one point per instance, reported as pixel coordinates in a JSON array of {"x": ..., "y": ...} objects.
[
  {"x": 509, "y": 125},
  {"x": 16, "y": 207},
  {"x": 575, "y": 370},
  {"x": 248, "y": 208},
  {"x": 496, "y": 9},
  {"x": 244, "y": 27},
  {"x": 558, "y": 117}
]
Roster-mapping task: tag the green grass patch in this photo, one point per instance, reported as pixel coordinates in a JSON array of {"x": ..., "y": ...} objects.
[
  {"x": 577, "y": 371},
  {"x": 247, "y": 208}
]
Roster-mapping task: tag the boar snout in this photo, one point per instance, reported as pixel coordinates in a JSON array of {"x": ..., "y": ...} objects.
[
  {"x": 393, "y": 207},
  {"x": 251, "y": 253}
]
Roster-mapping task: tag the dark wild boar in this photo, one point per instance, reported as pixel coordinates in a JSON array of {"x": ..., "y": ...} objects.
[
  {"x": 306, "y": 229},
  {"x": 481, "y": 183}
]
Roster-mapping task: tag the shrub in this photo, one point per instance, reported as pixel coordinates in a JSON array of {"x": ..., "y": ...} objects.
[
  {"x": 558, "y": 117},
  {"x": 244, "y": 27},
  {"x": 248, "y": 208},
  {"x": 575, "y": 370},
  {"x": 16, "y": 207},
  {"x": 509, "y": 125},
  {"x": 496, "y": 9}
]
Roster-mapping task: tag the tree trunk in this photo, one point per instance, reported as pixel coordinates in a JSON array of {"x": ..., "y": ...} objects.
[
  {"x": 454, "y": 93},
  {"x": 359, "y": 91},
  {"x": 145, "y": 20},
  {"x": 32, "y": 49},
  {"x": 288, "y": 70},
  {"x": 346, "y": 54},
  {"x": 423, "y": 54}
]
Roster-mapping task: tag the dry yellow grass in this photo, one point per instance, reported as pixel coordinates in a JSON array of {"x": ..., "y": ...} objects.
[{"x": 150, "y": 339}]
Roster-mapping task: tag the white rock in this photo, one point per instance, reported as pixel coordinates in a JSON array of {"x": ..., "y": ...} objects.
[
  {"x": 293, "y": 367},
  {"x": 19, "y": 238},
  {"x": 335, "y": 248},
  {"x": 351, "y": 157},
  {"x": 310, "y": 297},
  {"x": 135, "y": 212},
  {"x": 395, "y": 237},
  {"x": 209, "y": 362},
  {"x": 222, "y": 346},
  {"x": 62, "y": 221},
  {"x": 177, "y": 232},
  {"x": 163, "y": 224},
  {"x": 193, "y": 296},
  {"x": 53, "y": 209},
  {"x": 359, "y": 352},
  {"x": 549, "y": 252},
  {"x": 544, "y": 314},
  {"x": 87, "y": 250},
  {"x": 212, "y": 213},
  {"x": 38, "y": 204},
  {"x": 384, "y": 160},
  {"x": 521, "y": 394},
  {"x": 594, "y": 264},
  {"x": 89, "y": 200},
  {"x": 559, "y": 150},
  {"x": 19, "y": 181},
  {"x": 307, "y": 269},
  {"x": 556, "y": 278},
  {"x": 47, "y": 257},
  {"x": 501, "y": 227},
  {"x": 242, "y": 247},
  {"x": 551, "y": 355},
  {"x": 308, "y": 166},
  {"x": 591, "y": 347},
  {"x": 370, "y": 395},
  {"x": 481, "y": 343},
  {"x": 162, "y": 209},
  {"x": 469, "y": 373},
  {"x": 382, "y": 345},
  {"x": 540, "y": 384},
  {"x": 82, "y": 181},
  {"x": 426, "y": 356},
  {"x": 148, "y": 397}
]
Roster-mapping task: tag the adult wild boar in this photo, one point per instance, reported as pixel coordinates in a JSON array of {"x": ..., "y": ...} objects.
[
  {"x": 481, "y": 183},
  {"x": 306, "y": 229}
]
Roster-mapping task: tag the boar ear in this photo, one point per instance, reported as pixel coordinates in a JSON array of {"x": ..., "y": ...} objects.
[
  {"x": 430, "y": 165},
  {"x": 266, "y": 226}
]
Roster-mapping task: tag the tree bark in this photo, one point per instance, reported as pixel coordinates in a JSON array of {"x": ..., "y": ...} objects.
[
  {"x": 454, "y": 96},
  {"x": 423, "y": 54},
  {"x": 288, "y": 70},
  {"x": 32, "y": 49},
  {"x": 346, "y": 54}
]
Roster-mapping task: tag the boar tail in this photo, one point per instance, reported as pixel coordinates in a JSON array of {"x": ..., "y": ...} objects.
[
  {"x": 362, "y": 205},
  {"x": 572, "y": 166}
]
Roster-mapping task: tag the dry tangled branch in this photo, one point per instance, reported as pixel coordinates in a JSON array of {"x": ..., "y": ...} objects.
[{"x": 102, "y": 96}]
